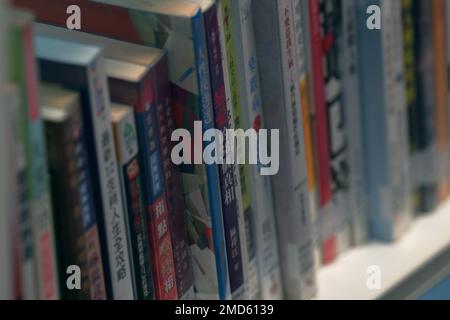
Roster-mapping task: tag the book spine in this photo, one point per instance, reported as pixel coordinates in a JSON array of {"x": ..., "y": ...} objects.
[
  {"x": 226, "y": 171},
  {"x": 9, "y": 188},
  {"x": 441, "y": 95},
  {"x": 7, "y": 185},
  {"x": 114, "y": 217},
  {"x": 173, "y": 184},
  {"x": 352, "y": 111},
  {"x": 261, "y": 216},
  {"x": 97, "y": 282},
  {"x": 154, "y": 195},
  {"x": 66, "y": 203},
  {"x": 335, "y": 222},
  {"x": 232, "y": 25},
  {"x": 321, "y": 130},
  {"x": 302, "y": 251},
  {"x": 424, "y": 164},
  {"x": 130, "y": 173},
  {"x": 301, "y": 37},
  {"x": 225, "y": 229},
  {"x": 396, "y": 118},
  {"x": 372, "y": 96},
  {"x": 41, "y": 210},
  {"x": 17, "y": 73},
  {"x": 410, "y": 42}
]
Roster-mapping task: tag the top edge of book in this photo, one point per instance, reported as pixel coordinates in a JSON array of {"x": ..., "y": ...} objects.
[
  {"x": 56, "y": 102},
  {"x": 164, "y": 7},
  {"x": 65, "y": 51},
  {"x": 112, "y": 48},
  {"x": 204, "y": 5},
  {"x": 124, "y": 70},
  {"x": 120, "y": 112}
]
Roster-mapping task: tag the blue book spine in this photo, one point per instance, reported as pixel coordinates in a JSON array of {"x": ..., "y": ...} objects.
[
  {"x": 226, "y": 172},
  {"x": 384, "y": 120},
  {"x": 371, "y": 62},
  {"x": 207, "y": 117}
]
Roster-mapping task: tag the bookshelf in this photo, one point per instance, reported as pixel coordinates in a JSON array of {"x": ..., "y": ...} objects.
[{"x": 409, "y": 267}]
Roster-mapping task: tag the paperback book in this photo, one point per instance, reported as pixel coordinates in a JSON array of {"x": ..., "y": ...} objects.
[
  {"x": 384, "y": 112},
  {"x": 82, "y": 68},
  {"x": 274, "y": 35}
]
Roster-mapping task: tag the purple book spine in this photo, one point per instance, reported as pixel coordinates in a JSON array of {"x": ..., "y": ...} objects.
[
  {"x": 173, "y": 184},
  {"x": 226, "y": 172}
]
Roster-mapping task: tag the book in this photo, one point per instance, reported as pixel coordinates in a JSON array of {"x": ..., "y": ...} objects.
[
  {"x": 127, "y": 149},
  {"x": 327, "y": 242},
  {"x": 37, "y": 240},
  {"x": 327, "y": 17},
  {"x": 191, "y": 100},
  {"x": 274, "y": 35},
  {"x": 384, "y": 112},
  {"x": 241, "y": 70},
  {"x": 81, "y": 68},
  {"x": 8, "y": 180},
  {"x": 62, "y": 118},
  {"x": 357, "y": 204},
  {"x": 301, "y": 24},
  {"x": 311, "y": 103},
  {"x": 441, "y": 96},
  {"x": 419, "y": 83},
  {"x": 148, "y": 23},
  {"x": 233, "y": 213},
  {"x": 133, "y": 85},
  {"x": 65, "y": 130},
  {"x": 156, "y": 62},
  {"x": 10, "y": 162}
]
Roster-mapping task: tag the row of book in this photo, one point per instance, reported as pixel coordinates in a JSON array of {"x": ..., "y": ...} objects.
[{"x": 87, "y": 178}]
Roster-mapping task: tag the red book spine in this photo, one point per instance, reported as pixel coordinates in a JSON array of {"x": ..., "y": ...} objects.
[
  {"x": 318, "y": 52},
  {"x": 317, "y": 57},
  {"x": 155, "y": 194},
  {"x": 173, "y": 183}
]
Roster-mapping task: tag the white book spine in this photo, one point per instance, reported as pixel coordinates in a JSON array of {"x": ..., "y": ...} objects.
[
  {"x": 300, "y": 253},
  {"x": 267, "y": 254},
  {"x": 396, "y": 197},
  {"x": 118, "y": 243}
]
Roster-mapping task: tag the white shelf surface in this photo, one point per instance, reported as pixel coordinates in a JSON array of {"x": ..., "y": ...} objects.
[{"x": 427, "y": 239}]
